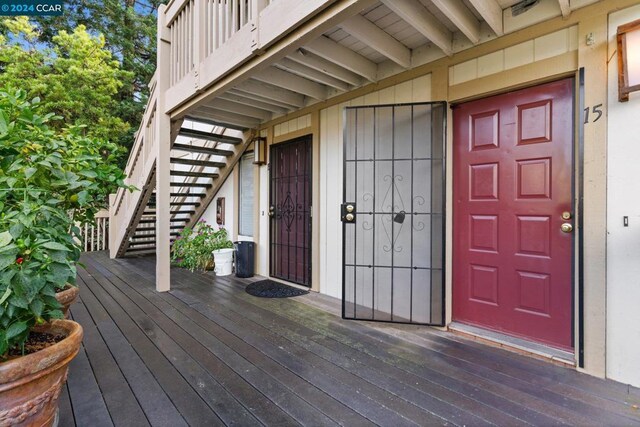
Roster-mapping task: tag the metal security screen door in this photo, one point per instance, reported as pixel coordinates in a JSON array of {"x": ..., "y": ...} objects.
[
  {"x": 290, "y": 211},
  {"x": 392, "y": 215}
]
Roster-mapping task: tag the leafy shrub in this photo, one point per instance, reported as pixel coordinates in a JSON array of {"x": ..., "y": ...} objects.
[
  {"x": 192, "y": 249},
  {"x": 50, "y": 181}
]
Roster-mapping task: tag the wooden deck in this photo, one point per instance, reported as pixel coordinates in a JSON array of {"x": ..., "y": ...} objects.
[{"x": 207, "y": 353}]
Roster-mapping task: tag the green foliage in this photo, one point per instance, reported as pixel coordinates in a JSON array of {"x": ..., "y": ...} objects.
[
  {"x": 129, "y": 28},
  {"x": 76, "y": 77},
  {"x": 50, "y": 180},
  {"x": 192, "y": 249}
]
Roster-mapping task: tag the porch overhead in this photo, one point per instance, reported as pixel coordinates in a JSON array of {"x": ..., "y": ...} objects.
[{"x": 243, "y": 63}]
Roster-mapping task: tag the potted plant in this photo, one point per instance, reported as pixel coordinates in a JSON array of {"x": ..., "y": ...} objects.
[
  {"x": 51, "y": 181},
  {"x": 223, "y": 253},
  {"x": 194, "y": 247}
]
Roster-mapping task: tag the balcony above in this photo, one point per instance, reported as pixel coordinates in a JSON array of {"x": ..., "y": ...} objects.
[{"x": 243, "y": 62}]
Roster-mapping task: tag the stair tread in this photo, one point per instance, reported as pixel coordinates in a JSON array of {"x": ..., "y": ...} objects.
[
  {"x": 201, "y": 195},
  {"x": 193, "y": 162},
  {"x": 191, "y": 184},
  {"x": 208, "y": 136},
  {"x": 204, "y": 150},
  {"x": 195, "y": 174}
]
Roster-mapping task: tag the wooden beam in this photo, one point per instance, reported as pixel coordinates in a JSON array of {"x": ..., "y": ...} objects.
[
  {"x": 176, "y": 194},
  {"x": 239, "y": 99},
  {"x": 191, "y": 184},
  {"x": 225, "y": 117},
  {"x": 322, "y": 65},
  {"x": 209, "y": 121},
  {"x": 200, "y": 149},
  {"x": 416, "y": 15},
  {"x": 376, "y": 38},
  {"x": 292, "y": 82},
  {"x": 461, "y": 17},
  {"x": 194, "y": 174},
  {"x": 272, "y": 92},
  {"x": 162, "y": 153},
  {"x": 173, "y": 227},
  {"x": 245, "y": 110},
  {"x": 203, "y": 163},
  {"x": 565, "y": 8},
  {"x": 208, "y": 136},
  {"x": 196, "y": 204},
  {"x": 311, "y": 74},
  {"x": 344, "y": 57},
  {"x": 260, "y": 98},
  {"x": 491, "y": 12}
]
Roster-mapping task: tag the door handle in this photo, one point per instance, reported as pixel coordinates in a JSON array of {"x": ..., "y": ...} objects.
[
  {"x": 272, "y": 210},
  {"x": 566, "y": 227}
]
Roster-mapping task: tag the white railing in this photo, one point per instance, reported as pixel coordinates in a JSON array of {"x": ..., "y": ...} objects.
[
  {"x": 209, "y": 38},
  {"x": 96, "y": 236},
  {"x": 199, "y": 27},
  {"x": 222, "y": 20},
  {"x": 182, "y": 42},
  {"x": 139, "y": 168}
]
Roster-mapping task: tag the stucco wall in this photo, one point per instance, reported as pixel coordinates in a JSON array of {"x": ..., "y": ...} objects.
[{"x": 623, "y": 199}]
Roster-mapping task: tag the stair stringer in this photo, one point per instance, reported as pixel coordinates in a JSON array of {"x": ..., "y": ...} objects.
[{"x": 141, "y": 204}]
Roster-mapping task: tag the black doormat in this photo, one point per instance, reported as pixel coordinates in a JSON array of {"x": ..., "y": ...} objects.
[{"x": 271, "y": 289}]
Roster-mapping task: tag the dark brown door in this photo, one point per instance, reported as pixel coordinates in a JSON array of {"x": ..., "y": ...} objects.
[
  {"x": 290, "y": 211},
  {"x": 512, "y": 184}
]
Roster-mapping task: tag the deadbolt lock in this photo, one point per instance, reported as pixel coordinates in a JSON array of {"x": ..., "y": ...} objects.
[
  {"x": 348, "y": 212},
  {"x": 566, "y": 227},
  {"x": 566, "y": 215}
]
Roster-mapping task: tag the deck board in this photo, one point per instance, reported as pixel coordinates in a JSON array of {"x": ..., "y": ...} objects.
[
  {"x": 157, "y": 407},
  {"x": 207, "y": 353}
]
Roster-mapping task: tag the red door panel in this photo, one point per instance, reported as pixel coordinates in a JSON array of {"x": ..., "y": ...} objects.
[{"x": 512, "y": 182}]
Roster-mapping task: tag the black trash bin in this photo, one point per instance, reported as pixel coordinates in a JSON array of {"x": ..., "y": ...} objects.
[{"x": 245, "y": 258}]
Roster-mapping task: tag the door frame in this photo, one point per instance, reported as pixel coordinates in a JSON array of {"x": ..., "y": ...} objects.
[
  {"x": 309, "y": 140},
  {"x": 577, "y": 166}
]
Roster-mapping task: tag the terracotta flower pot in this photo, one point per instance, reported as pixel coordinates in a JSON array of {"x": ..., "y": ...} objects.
[
  {"x": 67, "y": 297},
  {"x": 30, "y": 385}
]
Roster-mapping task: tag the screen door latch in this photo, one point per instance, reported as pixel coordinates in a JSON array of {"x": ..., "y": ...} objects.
[{"x": 348, "y": 212}]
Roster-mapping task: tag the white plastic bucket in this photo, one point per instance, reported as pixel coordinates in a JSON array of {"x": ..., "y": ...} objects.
[{"x": 224, "y": 261}]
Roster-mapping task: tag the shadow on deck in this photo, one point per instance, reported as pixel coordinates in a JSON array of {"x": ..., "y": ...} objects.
[{"x": 207, "y": 353}]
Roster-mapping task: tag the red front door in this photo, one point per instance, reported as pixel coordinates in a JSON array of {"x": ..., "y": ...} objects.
[{"x": 512, "y": 184}]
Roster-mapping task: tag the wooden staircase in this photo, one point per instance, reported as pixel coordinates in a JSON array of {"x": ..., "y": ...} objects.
[{"x": 199, "y": 167}]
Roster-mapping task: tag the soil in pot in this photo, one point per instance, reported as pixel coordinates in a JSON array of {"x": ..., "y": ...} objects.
[
  {"x": 37, "y": 341},
  {"x": 30, "y": 385}
]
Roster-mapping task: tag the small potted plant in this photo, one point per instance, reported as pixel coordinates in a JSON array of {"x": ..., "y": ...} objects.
[
  {"x": 222, "y": 252},
  {"x": 195, "y": 247},
  {"x": 50, "y": 182}
]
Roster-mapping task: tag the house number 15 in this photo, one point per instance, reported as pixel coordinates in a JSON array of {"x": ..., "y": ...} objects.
[{"x": 596, "y": 109}]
